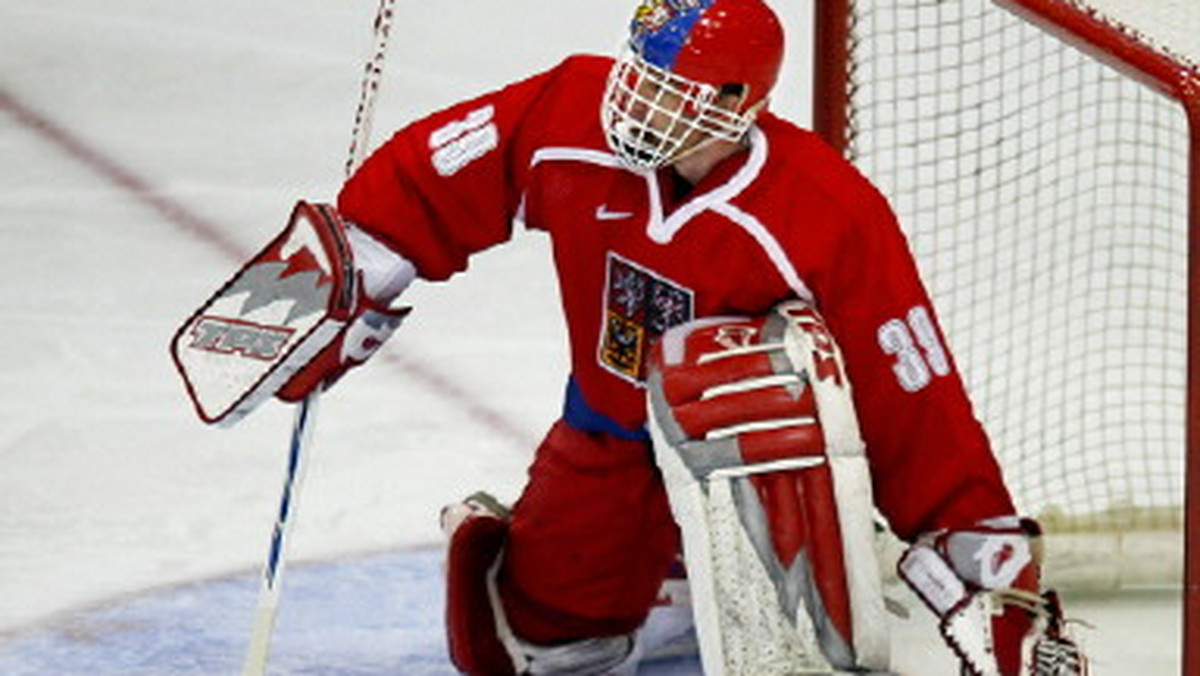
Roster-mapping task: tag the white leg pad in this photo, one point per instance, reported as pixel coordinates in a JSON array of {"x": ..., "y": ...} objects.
[
  {"x": 778, "y": 529},
  {"x": 741, "y": 624}
]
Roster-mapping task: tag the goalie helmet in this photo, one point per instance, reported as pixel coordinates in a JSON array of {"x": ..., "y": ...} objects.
[{"x": 664, "y": 93}]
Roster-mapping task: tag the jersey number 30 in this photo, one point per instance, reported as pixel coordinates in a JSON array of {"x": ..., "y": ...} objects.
[{"x": 918, "y": 350}]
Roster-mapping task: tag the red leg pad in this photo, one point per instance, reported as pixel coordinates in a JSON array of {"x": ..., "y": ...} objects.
[{"x": 474, "y": 642}]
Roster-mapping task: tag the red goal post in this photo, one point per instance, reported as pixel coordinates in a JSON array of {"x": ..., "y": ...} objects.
[{"x": 1044, "y": 159}]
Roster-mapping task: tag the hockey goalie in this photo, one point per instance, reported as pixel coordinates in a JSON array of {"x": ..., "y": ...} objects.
[{"x": 755, "y": 368}]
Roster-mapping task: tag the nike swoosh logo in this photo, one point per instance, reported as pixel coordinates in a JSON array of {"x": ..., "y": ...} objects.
[{"x": 603, "y": 214}]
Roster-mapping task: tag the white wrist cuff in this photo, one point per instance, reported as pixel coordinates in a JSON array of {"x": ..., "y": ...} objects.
[{"x": 385, "y": 273}]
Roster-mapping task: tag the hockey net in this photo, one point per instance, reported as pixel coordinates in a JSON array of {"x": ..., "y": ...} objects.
[{"x": 1041, "y": 158}]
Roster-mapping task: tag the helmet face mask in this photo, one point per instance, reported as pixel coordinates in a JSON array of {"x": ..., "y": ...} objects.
[
  {"x": 694, "y": 72},
  {"x": 652, "y": 117}
]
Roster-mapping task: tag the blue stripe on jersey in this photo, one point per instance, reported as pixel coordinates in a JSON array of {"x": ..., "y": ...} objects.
[{"x": 578, "y": 413}]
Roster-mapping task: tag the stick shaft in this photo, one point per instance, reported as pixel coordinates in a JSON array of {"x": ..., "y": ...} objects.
[
  {"x": 305, "y": 419},
  {"x": 268, "y": 594},
  {"x": 372, "y": 76}
]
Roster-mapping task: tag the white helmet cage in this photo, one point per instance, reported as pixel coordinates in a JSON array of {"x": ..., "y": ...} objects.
[{"x": 653, "y": 117}]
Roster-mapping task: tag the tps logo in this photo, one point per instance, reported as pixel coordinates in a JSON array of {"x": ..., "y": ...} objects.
[{"x": 231, "y": 336}]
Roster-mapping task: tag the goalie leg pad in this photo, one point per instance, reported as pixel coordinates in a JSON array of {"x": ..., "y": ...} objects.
[
  {"x": 792, "y": 521},
  {"x": 477, "y": 531},
  {"x": 756, "y": 435},
  {"x": 480, "y": 639}
]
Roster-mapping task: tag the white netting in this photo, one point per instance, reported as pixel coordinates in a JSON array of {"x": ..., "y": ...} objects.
[{"x": 1045, "y": 197}]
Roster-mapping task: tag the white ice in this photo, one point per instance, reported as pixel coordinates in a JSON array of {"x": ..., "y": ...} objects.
[{"x": 146, "y": 147}]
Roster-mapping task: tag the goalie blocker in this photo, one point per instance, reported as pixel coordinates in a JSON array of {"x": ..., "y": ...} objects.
[
  {"x": 756, "y": 435},
  {"x": 983, "y": 583},
  {"x": 292, "y": 320}
]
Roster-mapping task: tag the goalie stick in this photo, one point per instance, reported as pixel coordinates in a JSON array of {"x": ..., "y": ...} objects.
[
  {"x": 268, "y": 595},
  {"x": 304, "y": 421}
]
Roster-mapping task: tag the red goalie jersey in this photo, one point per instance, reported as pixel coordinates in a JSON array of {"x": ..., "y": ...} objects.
[{"x": 637, "y": 253}]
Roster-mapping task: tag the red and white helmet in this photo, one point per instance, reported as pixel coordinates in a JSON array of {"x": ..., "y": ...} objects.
[{"x": 682, "y": 55}]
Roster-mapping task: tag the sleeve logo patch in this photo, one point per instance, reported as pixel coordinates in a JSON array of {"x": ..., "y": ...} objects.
[{"x": 639, "y": 306}]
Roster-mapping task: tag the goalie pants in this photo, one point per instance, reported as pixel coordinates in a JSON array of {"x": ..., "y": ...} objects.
[{"x": 591, "y": 539}]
